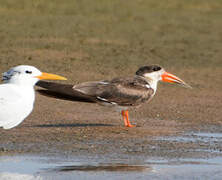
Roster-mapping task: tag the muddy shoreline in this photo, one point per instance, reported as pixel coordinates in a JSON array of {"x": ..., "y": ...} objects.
[{"x": 82, "y": 131}]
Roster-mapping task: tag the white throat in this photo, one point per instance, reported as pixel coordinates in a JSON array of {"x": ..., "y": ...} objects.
[
  {"x": 153, "y": 78},
  {"x": 153, "y": 84}
]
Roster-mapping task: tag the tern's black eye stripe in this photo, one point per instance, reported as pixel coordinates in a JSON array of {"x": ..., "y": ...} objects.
[{"x": 28, "y": 72}]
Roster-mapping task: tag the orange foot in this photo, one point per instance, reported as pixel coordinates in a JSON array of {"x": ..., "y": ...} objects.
[
  {"x": 130, "y": 125},
  {"x": 126, "y": 119}
]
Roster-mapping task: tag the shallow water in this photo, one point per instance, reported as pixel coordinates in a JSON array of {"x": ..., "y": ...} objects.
[
  {"x": 195, "y": 137},
  {"x": 51, "y": 167},
  {"x": 34, "y": 167}
]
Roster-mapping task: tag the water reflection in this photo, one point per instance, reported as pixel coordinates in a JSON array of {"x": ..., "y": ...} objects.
[{"x": 103, "y": 167}]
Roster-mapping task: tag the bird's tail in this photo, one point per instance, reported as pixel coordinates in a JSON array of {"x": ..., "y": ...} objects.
[{"x": 61, "y": 91}]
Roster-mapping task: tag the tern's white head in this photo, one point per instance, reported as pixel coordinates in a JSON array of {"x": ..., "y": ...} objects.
[
  {"x": 17, "y": 94},
  {"x": 27, "y": 75}
]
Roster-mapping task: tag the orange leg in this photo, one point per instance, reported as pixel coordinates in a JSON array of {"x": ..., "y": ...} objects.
[
  {"x": 127, "y": 119},
  {"x": 125, "y": 116}
]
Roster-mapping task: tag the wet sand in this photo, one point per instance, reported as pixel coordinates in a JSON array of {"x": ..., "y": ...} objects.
[{"x": 58, "y": 126}]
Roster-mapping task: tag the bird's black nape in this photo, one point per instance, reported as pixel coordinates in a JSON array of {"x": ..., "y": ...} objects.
[{"x": 147, "y": 69}]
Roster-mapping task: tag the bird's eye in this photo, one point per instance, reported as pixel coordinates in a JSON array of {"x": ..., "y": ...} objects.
[
  {"x": 156, "y": 68},
  {"x": 28, "y": 72}
]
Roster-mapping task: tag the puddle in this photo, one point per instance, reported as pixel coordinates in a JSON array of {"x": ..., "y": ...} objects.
[
  {"x": 188, "y": 169},
  {"x": 194, "y": 137},
  {"x": 197, "y": 142},
  {"x": 209, "y": 135},
  {"x": 53, "y": 167},
  {"x": 34, "y": 167}
]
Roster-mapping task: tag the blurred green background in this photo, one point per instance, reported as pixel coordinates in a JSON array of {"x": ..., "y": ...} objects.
[{"x": 94, "y": 39}]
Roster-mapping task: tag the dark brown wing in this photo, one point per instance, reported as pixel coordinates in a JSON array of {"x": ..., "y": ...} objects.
[
  {"x": 61, "y": 91},
  {"x": 121, "y": 91}
]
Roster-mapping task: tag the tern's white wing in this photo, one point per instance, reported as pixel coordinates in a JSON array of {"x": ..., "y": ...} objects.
[{"x": 13, "y": 106}]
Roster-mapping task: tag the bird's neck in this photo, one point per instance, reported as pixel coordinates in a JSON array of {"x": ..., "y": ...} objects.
[
  {"x": 152, "y": 82},
  {"x": 153, "y": 85},
  {"x": 27, "y": 92}
]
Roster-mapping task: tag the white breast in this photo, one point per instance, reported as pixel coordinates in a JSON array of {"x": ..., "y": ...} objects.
[{"x": 16, "y": 103}]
